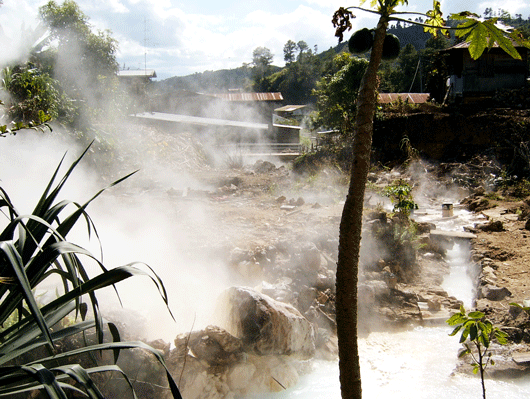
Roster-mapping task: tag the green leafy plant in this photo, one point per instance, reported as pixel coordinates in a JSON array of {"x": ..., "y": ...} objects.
[
  {"x": 412, "y": 153},
  {"x": 34, "y": 95},
  {"x": 478, "y": 332},
  {"x": 400, "y": 193},
  {"x": 33, "y": 248}
]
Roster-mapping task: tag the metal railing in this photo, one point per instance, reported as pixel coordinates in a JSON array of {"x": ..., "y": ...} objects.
[{"x": 264, "y": 148}]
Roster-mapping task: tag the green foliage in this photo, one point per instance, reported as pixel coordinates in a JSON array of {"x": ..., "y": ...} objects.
[
  {"x": 14, "y": 126},
  {"x": 261, "y": 61},
  {"x": 476, "y": 330},
  {"x": 297, "y": 80},
  {"x": 95, "y": 51},
  {"x": 336, "y": 94},
  {"x": 82, "y": 60},
  {"x": 33, "y": 249},
  {"x": 400, "y": 193},
  {"x": 34, "y": 96},
  {"x": 483, "y": 35}
]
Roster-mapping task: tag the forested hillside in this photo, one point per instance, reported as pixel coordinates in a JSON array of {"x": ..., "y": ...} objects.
[{"x": 417, "y": 69}]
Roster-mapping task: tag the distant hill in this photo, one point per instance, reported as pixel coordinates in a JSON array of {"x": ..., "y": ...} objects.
[
  {"x": 413, "y": 34},
  {"x": 240, "y": 78},
  {"x": 206, "y": 81},
  {"x": 211, "y": 81}
]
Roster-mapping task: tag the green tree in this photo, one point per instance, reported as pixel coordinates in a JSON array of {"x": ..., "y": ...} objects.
[
  {"x": 409, "y": 65},
  {"x": 303, "y": 48},
  {"x": 83, "y": 61},
  {"x": 71, "y": 28},
  {"x": 482, "y": 35},
  {"x": 261, "y": 61},
  {"x": 336, "y": 94},
  {"x": 288, "y": 52}
]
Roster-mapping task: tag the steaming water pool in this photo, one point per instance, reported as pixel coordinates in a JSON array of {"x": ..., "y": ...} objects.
[{"x": 415, "y": 364}]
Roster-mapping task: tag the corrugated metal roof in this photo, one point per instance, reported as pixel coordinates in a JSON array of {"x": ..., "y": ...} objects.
[
  {"x": 411, "y": 98},
  {"x": 139, "y": 73},
  {"x": 288, "y": 126},
  {"x": 465, "y": 45},
  {"x": 195, "y": 120},
  {"x": 289, "y": 108},
  {"x": 250, "y": 96}
]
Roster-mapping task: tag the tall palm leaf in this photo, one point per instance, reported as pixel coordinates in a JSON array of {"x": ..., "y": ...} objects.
[{"x": 32, "y": 249}]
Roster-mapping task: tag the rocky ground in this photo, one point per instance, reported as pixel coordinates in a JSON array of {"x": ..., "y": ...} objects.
[
  {"x": 277, "y": 233},
  {"x": 501, "y": 247},
  {"x": 283, "y": 240}
]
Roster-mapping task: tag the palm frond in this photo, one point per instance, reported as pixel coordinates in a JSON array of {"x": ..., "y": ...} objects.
[{"x": 32, "y": 249}]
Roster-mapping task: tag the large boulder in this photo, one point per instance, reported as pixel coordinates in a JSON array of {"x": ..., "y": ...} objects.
[
  {"x": 213, "y": 345},
  {"x": 266, "y": 326}
]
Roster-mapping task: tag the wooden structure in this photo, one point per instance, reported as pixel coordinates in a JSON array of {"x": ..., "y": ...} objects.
[
  {"x": 494, "y": 70},
  {"x": 136, "y": 80},
  {"x": 409, "y": 98}
]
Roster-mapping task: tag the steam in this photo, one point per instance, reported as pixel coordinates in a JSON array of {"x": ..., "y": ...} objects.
[
  {"x": 169, "y": 235},
  {"x": 147, "y": 219}
]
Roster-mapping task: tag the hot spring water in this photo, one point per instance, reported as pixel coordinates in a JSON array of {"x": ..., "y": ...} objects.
[{"x": 415, "y": 364}]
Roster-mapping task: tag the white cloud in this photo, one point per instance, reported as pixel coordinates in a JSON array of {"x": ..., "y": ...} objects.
[{"x": 184, "y": 36}]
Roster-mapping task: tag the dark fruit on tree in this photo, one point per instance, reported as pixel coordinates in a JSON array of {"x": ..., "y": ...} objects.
[
  {"x": 361, "y": 41},
  {"x": 391, "y": 47}
]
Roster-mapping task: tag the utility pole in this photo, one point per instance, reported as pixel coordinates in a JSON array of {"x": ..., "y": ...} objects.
[{"x": 146, "y": 41}]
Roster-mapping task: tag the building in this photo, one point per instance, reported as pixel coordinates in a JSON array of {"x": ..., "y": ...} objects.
[
  {"x": 494, "y": 70},
  {"x": 136, "y": 83},
  {"x": 232, "y": 105},
  {"x": 136, "y": 80},
  {"x": 409, "y": 98}
]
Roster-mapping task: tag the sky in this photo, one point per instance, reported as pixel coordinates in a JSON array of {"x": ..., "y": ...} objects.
[{"x": 182, "y": 37}]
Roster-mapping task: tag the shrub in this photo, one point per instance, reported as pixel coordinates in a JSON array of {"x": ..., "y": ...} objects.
[{"x": 478, "y": 331}]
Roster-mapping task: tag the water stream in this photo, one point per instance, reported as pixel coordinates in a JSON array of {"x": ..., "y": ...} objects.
[{"x": 415, "y": 364}]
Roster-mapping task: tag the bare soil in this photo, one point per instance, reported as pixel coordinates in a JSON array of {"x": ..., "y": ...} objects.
[{"x": 504, "y": 253}]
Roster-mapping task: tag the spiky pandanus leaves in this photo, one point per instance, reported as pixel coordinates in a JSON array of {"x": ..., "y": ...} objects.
[{"x": 33, "y": 248}]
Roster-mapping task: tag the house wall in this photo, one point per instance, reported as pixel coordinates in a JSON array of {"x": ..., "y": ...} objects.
[
  {"x": 287, "y": 134},
  {"x": 493, "y": 71}
]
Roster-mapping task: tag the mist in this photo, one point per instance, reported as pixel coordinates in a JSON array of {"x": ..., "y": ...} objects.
[{"x": 132, "y": 228}]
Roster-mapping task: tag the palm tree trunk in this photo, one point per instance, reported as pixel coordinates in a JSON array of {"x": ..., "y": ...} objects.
[{"x": 351, "y": 225}]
